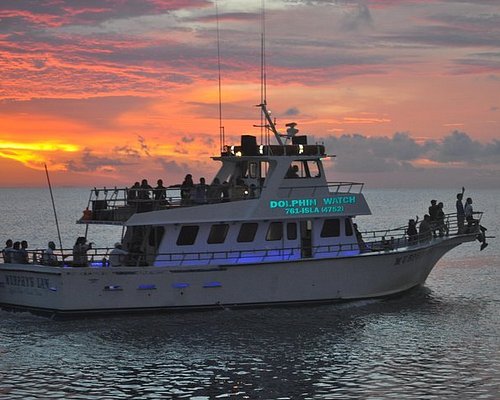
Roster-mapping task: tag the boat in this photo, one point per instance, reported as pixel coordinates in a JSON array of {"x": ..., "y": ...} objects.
[{"x": 269, "y": 230}]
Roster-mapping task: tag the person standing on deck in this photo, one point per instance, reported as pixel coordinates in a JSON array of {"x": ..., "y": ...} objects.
[
  {"x": 48, "y": 256},
  {"x": 425, "y": 230},
  {"x": 23, "y": 252},
  {"x": 186, "y": 189},
  {"x": 460, "y": 212},
  {"x": 80, "y": 249},
  {"x": 433, "y": 211},
  {"x": 200, "y": 192},
  {"x": 7, "y": 252},
  {"x": 117, "y": 255},
  {"x": 160, "y": 192}
]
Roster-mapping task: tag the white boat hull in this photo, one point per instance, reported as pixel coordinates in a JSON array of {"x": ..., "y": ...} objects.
[{"x": 67, "y": 291}]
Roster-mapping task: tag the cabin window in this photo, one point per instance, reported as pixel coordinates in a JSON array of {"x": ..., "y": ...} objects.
[
  {"x": 291, "y": 231},
  {"x": 295, "y": 170},
  {"x": 303, "y": 169},
  {"x": 187, "y": 236},
  {"x": 312, "y": 169},
  {"x": 275, "y": 231},
  {"x": 331, "y": 228},
  {"x": 348, "y": 227},
  {"x": 264, "y": 169},
  {"x": 217, "y": 233},
  {"x": 253, "y": 170},
  {"x": 247, "y": 232}
]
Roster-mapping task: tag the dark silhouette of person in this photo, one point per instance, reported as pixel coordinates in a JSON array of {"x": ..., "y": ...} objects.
[
  {"x": 186, "y": 188},
  {"x": 425, "y": 230},
  {"x": 145, "y": 190},
  {"x": 293, "y": 172},
  {"x": 23, "y": 252},
  {"x": 160, "y": 192},
  {"x": 412, "y": 232},
  {"x": 460, "y": 212},
  {"x": 433, "y": 210},
  {"x": 133, "y": 193},
  {"x": 200, "y": 192},
  {"x": 145, "y": 196},
  {"x": 473, "y": 224},
  {"x": 440, "y": 224}
]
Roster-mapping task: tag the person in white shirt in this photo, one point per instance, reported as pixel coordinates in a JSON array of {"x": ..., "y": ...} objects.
[
  {"x": 117, "y": 256},
  {"x": 48, "y": 256}
]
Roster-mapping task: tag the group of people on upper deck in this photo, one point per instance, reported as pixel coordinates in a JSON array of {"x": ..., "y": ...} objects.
[
  {"x": 143, "y": 191},
  {"x": 143, "y": 195}
]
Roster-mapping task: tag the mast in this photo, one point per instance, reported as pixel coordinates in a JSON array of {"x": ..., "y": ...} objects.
[{"x": 221, "y": 127}]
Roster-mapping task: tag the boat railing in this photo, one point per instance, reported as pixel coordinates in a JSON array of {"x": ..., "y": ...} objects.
[
  {"x": 367, "y": 241},
  {"x": 450, "y": 225},
  {"x": 116, "y": 205}
]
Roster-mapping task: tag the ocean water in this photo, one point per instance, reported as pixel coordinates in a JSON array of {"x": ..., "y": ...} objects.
[{"x": 438, "y": 341}]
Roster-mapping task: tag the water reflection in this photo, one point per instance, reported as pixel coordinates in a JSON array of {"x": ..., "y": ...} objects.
[{"x": 420, "y": 345}]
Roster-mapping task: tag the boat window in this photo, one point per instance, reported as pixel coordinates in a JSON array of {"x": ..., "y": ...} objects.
[
  {"x": 247, "y": 232},
  {"x": 303, "y": 169},
  {"x": 295, "y": 170},
  {"x": 187, "y": 236},
  {"x": 348, "y": 227},
  {"x": 312, "y": 168},
  {"x": 264, "y": 168},
  {"x": 291, "y": 231},
  {"x": 217, "y": 233},
  {"x": 331, "y": 228},
  {"x": 275, "y": 231},
  {"x": 253, "y": 170}
]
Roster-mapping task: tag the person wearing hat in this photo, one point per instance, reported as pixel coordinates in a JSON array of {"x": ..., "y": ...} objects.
[{"x": 117, "y": 256}]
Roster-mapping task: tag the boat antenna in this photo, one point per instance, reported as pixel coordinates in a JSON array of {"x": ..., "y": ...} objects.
[
  {"x": 263, "y": 77},
  {"x": 221, "y": 126},
  {"x": 266, "y": 122},
  {"x": 54, "y": 207}
]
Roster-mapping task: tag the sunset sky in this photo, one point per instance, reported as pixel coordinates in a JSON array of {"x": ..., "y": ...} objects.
[{"x": 406, "y": 93}]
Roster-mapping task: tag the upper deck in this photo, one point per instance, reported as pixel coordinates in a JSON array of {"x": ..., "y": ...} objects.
[
  {"x": 114, "y": 207},
  {"x": 253, "y": 182}
]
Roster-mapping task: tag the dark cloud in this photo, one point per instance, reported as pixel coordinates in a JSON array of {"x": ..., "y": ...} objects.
[
  {"x": 89, "y": 162},
  {"x": 126, "y": 151},
  {"x": 357, "y": 153},
  {"x": 460, "y": 147},
  {"x": 97, "y": 111},
  {"x": 292, "y": 111},
  {"x": 144, "y": 145},
  {"x": 186, "y": 139},
  {"x": 89, "y": 12},
  {"x": 172, "y": 167}
]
